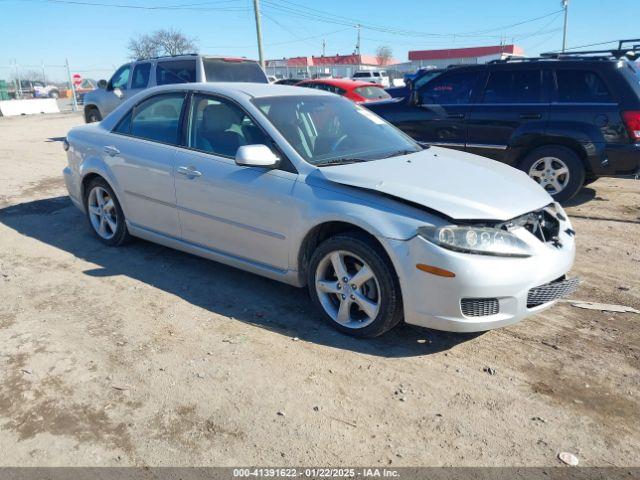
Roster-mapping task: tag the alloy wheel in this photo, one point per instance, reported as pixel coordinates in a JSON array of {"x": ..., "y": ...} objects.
[
  {"x": 551, "y": 173},
  {"x": 102, "y": 213},
  {"x": 348, "y": 289}
]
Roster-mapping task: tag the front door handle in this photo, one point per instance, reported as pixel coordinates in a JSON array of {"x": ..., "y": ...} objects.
[
  {"x": 530, "y": 116},
  {"x": 455, "y": 115},
  {"x": 189, "y": 171},
  {"x": 111, "y": 150}
]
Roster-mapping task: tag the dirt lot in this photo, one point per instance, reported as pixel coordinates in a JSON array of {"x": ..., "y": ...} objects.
[{"x": 147, "y": 356}]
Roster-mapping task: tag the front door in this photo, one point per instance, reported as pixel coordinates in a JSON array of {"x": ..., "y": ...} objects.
[
  {"x": 512, "y": 107},
  {"x": 234, "y": 210},
  {"x": 442, "y": 106}
]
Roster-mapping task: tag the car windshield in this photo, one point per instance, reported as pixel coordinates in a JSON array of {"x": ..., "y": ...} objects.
[
  {"x": 328, "y": 130},
  {"x": 232, "y": 70},
  {"x": 371, "y": 92}
]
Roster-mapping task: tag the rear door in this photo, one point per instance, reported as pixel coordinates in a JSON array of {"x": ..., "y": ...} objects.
[
  {"x": 141, "y": 151},
  {"x": 512, "y": 107},
  {"x": 442, "y": 106}
]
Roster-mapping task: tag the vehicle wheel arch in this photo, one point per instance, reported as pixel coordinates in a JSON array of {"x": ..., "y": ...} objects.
[
  {"x": 567, "y": 143},
  {"x": 88, "y": 108},
  {"x": 91, "y": 175},
  {"x": 325, "y": 230}
]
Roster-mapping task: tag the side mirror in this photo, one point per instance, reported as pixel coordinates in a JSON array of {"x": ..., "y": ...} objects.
[
  {"x": 102, "y": 84},
  {"x": 118, "y": 93},
  {"x": 256, "y": 156}
]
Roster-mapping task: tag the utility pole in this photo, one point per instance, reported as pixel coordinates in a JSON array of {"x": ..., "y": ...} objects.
[
  {"x": 72, "y": 86},
  {"x": 358, "y": 42},
  {"x": 256, "y": 9},
  {"x": 565, "y": 5},
  {"x": 324, "y": 46}
]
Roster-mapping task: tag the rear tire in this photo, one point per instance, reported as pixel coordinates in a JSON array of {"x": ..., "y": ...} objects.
[
  {"x": 54, "y": 94},
  {"x": 105, "y": 214},
  {"x": 93, "y": 115},
  {"x": 557, "y": 169},
  {"x": 369, "y": 302}
]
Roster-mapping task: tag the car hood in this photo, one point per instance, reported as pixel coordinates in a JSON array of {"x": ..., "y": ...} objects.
[{"x": 459, "y": 185}]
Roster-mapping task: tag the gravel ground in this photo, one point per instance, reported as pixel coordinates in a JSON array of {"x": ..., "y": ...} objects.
[{"x": 147, "y": 356}]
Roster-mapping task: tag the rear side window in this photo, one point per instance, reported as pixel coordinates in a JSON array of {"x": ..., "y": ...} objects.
[
  {"x": 176, "y": 71},
  {"x": 581, "y": 86},
  {"x": 141, "y": 75},
  {"x": 372, "y": 92},
  {"x": 158, "y": 118},
  {"x": 232, "y": 70},
  {"x": 523, "y": 86},
  {"x": 454, "y": 88}
]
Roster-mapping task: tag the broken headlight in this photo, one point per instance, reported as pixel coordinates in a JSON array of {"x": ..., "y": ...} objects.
[{"x": 478, "y": 240}]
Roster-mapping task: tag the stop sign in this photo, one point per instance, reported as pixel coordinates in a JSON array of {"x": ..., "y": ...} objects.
[{"x": 77, "y": 79}]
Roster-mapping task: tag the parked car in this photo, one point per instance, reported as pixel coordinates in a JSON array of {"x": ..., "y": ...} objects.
[
  {"x": 134, "y": 77},
  {"x": 415, "y": 81},
  {"x": 359, "y": 92},
  {"x": 308, "y": 188},
  {"x": 563, "y": 120},
  {"x": 372, "y": 76},
  {"x": 87, "y": 85},
  {"x": 288, "y": 81},
  {"x": 37, "y": 89}
]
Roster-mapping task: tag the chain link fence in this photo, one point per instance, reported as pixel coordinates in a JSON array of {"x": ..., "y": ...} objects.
[{"x": 49, "y": 80}]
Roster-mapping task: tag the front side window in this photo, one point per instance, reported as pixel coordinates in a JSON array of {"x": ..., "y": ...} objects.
[
  {"x": 454, "y": 88},
  {"x": 523, "y": 86},
  {"x": 158, "y": 118},
  {"x": 220, "y": 127},
  {"x": 141, "y": 75},
  {"x": 581, "y": 86},
  {"x": 372, "y": 93},
  {"x": 120, "y": 79},
  {"x": 327, "y": 130},
  {"x": 176, "y": 71},
  {"x": 362, "y": 75}
]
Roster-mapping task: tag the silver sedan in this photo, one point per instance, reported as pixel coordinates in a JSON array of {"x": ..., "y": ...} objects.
[{"x": 310, "y": 189}]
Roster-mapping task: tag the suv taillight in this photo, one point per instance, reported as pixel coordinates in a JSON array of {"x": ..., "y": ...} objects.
[{"x": 632, "y": 122}]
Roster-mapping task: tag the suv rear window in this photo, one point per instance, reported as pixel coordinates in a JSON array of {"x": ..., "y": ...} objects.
[
  {"x": 524, "y": 86},
  {"x": 223, "y": 70},
  {"x": 581, "y": 86},
  {"x": 176, "y": 71}
]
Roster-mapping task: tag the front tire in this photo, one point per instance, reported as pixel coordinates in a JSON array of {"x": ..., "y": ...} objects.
[
  {"x": 354, "y": 285},
  {"x": 54, "y": 94},
  {"x": 93, "y": 115},
  {"x": 557, "y": 169},
  {"x": 105, "y": 214}
]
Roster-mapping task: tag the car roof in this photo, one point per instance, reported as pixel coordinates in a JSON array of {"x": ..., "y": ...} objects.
[
  {"x": 252, "y": 90},
  {"x": 345, "y": 83}
]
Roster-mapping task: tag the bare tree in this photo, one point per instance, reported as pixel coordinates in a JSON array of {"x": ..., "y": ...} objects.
[
  {"x": 161, "y": 42},
  {"x": 384, "y": 54}
]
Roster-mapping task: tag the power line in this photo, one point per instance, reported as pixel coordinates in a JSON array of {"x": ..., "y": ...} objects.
[{"x": 144, "y": 7}]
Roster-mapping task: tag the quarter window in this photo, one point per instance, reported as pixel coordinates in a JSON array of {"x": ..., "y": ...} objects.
[
  {"x": 220, "y": 127},
  {"x": 581, "y": 86},
  {"x": 176, "y": 71},
  {"x": 522, "y": 86},
  {"x": 455, "y": 88},
  {"x": 120, "y": 79},
  {"x": 141, "y": 75},
  {"x": 158, "y": 118}
]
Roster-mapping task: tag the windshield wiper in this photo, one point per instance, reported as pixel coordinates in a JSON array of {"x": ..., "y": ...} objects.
[
  {"x": 397, "y": 153},
  {"x": 340, "y": 161}
]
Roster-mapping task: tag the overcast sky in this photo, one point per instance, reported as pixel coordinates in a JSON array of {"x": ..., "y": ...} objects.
[{"x": 94, "y": 37}]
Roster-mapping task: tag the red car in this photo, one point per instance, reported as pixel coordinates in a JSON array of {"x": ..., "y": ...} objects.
[{"x": 359, "y": 92}]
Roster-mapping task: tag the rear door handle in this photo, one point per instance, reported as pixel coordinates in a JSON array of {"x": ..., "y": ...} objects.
[
  {"x": 530, "y": 116},
  {"x": 189, "y": 171},
  {"x": 455, "y": 115},
  {"x": 111, "y": 150}
]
